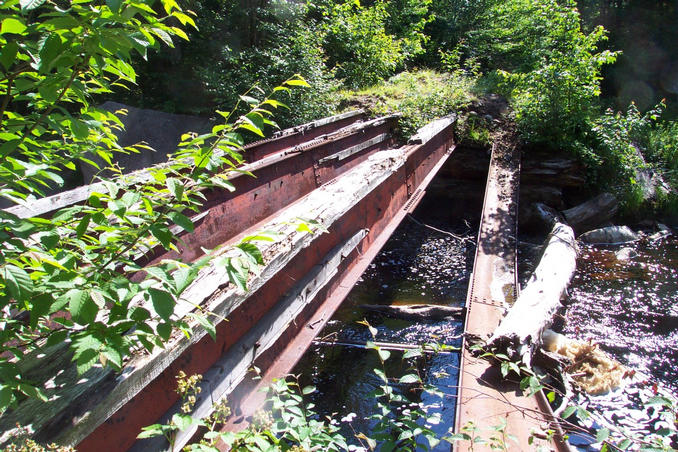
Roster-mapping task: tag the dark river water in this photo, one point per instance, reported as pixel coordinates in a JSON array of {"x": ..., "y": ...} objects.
[
  {"x": 417, "y": 265},
  {"x": 629, "y": 306}
]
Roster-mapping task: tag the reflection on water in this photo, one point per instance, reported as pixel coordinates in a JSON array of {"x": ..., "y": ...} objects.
[
  {"x": 630, "y": 306},
  {"x": 626, "y": 300},
  {"x": 417, "y": 265}
]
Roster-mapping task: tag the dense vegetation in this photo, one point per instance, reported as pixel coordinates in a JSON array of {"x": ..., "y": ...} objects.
[
  {"x": 59, "y": 59},
  {"x": 551, "y": 64}
]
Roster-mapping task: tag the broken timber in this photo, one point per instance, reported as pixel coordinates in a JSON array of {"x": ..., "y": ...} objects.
[
  {"x": 485, "y": 398},
  {"x": 360, "y": 197}
]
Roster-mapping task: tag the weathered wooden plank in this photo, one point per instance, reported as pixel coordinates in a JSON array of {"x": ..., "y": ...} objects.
[
  {"x": 229, "y": 371},
  {"x": 432, "y": 129},
  {"x": 355, "y": 149}
]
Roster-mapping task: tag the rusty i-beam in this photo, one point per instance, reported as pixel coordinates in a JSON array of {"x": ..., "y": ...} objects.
[
  {"x": 486, "y": 401},
  {"x": 340, "y": 172}
]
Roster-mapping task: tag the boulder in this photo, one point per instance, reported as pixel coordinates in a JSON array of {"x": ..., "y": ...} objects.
[{"x": 610, "y": 235}]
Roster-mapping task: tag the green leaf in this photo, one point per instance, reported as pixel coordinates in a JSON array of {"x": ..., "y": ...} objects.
[
  {"x": 32, "y": 391},
  {"x": 18, "y": 282},
  {"x": 8, "y": 54},
  {"x": 205, "y": 323},
  {"x": 85, "y": 360},
  {"x": 56, "y": 337},
  {"x": 79, "y": 129},
  {"x": 412, "y": 353},
  {"x": 236, "y": 274},
  {"x": 252, "y": 252},
  {"x": 625, "y": 444},
  {"x": 383, "y": 354},
  {"x": 114, "y": 5},
  {"x": 6, "y": 397},
  {"x": 27, "y": 5},
  {"x": 151, "y": 431},
  {"x": 12, "y": 25},
  {"x": 409, "y": 379},
  {"x": 380, "y": 373},
  {"x": 163, "y": 235},
  {"x": 163, "y": 303},
  {"x": 82, "y": 225},
  {"x": 308, "y": 390},
  {"x": 164, "y": 331},
  {"x": 297, "y": 82},
  {"x": 569, "y": 411},
  {"x": 249, "y": 100},
  {"x": 175, "y": 187},
  {"x": 181, "y": 220},
  {"x": 182, "y": 421},
  {"x": 113, "y": 356},
  {"x": 49, "y": 239},
  {"x": 602, "y": 435},
  {"x": 40, "y": 308},
  {"x": 82, "y": 308}
]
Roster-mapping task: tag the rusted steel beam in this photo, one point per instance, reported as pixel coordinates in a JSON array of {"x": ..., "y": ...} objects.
[
  {"x": 377, "y": 214},
  {"x": 281, "y": 169},
  {"x": 485, "y": 399},
  {"x": 252, "y": 152},
  {"x": 279, "y": 179},
  {"x": 381, "y": 213},
  {"x": 305, "y": 279}
]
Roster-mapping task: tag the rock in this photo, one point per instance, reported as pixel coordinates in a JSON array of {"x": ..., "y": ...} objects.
[
  {"x": 625, "y": 254},
  {"x": 161, "y": 131},
  {"x": 610, "y": 235}
]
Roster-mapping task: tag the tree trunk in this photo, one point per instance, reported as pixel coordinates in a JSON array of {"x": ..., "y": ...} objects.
[
  {"x": 416, "y": 311},
  {"x": 591, "y": 214},
  {"x": 519, "y": 333}
]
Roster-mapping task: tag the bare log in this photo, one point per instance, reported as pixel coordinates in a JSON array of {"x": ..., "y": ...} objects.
[
  {"x": 592, "y": 213},
  {"x": 519, "y": 333},
  {"x": 416, "y": 311}
]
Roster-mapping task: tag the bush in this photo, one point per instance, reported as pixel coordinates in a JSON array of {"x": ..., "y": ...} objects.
[
  {"x": 547, "y": 65},
  {"x": 358, "y": 45},
  {"x": 292, "y": 48},
  {"x": 420, "y": 95},
  {"x": 626, "y": 143}
]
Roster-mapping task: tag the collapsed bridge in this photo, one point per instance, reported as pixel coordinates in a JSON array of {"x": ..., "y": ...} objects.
[{"x": 343, "y": 173}]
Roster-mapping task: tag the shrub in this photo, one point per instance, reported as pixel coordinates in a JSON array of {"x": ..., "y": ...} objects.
[
  {"x": 292, "y": 48},
  {"x": 547, "y": 65},
  {"x": 421, "y": 96},
  {"x": 358, "y": 45}
]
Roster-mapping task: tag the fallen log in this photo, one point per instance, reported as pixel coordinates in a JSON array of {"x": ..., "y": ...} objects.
[
  {"x": 519, "y": 333},
  {"x": 416, "y": 311},
  {"x": 592, "y": 213}
]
